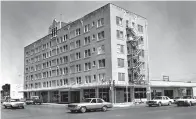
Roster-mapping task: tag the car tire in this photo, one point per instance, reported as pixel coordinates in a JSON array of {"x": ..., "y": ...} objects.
[
  {"x": 159, "y": 104},
  {"x": 104, "y": 108},
  {"x": 5, "y": 107},
  {"x": 191, "y": 104},
  {"x": 169, "y": 104},
  {"x": 150, "y": 105},
  {"x": 83, "y": 109}
]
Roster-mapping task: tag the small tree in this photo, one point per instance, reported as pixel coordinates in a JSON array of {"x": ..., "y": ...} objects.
[{"x": 6, "y": 89}]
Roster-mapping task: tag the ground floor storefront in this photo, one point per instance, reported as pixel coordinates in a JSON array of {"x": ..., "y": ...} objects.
[
  {"x": 120, "y": 94},
  {"x": 171, "y": 92}
]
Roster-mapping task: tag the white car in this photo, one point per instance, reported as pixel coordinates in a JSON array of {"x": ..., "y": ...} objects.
[
  {"x": 90, "y": 104},
  {"x": 186, "y": 101},
  {"x": 13, "y": 103},
  {"x": 160, "y": 101}
]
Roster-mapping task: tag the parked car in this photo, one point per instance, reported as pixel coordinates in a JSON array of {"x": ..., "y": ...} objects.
[
  {"x": 186, "y": 101},
  {"x": 13, "y": 103},
  {"x": 90, "y": 104},
  {"x": 29, "y": 101},
  {"x": 36, "y": 100},
  {"x": 176, "y": 98},
  {"x": 160, "y": 101}
]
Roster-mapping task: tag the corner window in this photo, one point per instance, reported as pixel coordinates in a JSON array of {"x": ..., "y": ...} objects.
[
  {"x": 101, "y": 49},
  {"x": 140, "y": 28},
  {"x": 101, "y": 35},
  {"x": 86, "y": 28},
  {"x": 119, "y": 34},
  {"x": 121, "y": 76},
  {"x": 100, "y": 22},
  {"x": 119, "y": 21},
  {"x": 101, "y": 63},
  {"x": 120, "y": 62},
  {"x": 120, "y": 49}
]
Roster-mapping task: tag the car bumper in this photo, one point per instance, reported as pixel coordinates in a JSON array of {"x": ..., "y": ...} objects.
[{"x": 74, "y": 108}]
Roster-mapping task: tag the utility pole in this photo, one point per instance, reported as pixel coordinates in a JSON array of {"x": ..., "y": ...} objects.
[{"x": 148, "y": 77}]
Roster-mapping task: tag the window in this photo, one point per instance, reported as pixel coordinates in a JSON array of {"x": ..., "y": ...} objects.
[
  {"x": 72, "y": 57},
  {"x": 78, "y": 68},
  {"x": 120, "y": 62},
  {"x": 100, "y": 22},
  {"x": 101, "y": 63},
  {"x": 121, "y": 76},
  {"x": 120, "y": 49},
  {"x": 93, "y": 50},
  {"x": 94, "y": 63},
  {"x": 119, "y": 21},
  {"x": 65, "y": 59},
  {"x": 140, "y": 93},
  {"x": 101, "y": 35},
  {"x": 72, "y": 69},
  {"x": 93, "y": 37},
  {"x": 101, "y": 49},
  {"x": 86, "y": 28},
  {"x": 87, "y": 40},
  {"x": 94, "y": 77},
  {"x": 87, "y": 53},
  {"x": 78, "y": 80},
  {"x": 77, "y": 31},
  {"x": 72, "y": 45},
  {"x": 93, "y": 24},
  {"x": 77, "y": 43},
  {"x": 88, "y": 79},
  {"x": 119, "y": 34},
  {"x": 140, "y": 28},
  {"x": 65, "y": 81},
  {"x": 87, "y": 66},
  {"x": 102, "y": 77},
  {"x": 78, "y": 55}
]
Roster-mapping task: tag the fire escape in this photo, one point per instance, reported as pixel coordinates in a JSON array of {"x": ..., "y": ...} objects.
[{"x": 135, "y": 55}]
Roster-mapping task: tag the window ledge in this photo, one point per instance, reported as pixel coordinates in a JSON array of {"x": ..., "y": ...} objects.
[
  {"x": 101, "y": 68},
  {"x": 98, "y": 40},
  {"x": 98, "y": 27},
  {"x": 86, "y": 32}
]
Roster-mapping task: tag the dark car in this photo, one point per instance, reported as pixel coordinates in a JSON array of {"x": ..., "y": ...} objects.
[
  {"x": 36, "y": 100},
  {"x": 29, "y": 101}
]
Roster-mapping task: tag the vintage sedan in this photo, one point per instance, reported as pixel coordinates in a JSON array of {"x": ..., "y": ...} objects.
[
  {"x": 186, "y": 101},
  {"x": 90, "y": 104},
  {"x": 13, "y": 103},
  {"x": 160, "y": 101}
]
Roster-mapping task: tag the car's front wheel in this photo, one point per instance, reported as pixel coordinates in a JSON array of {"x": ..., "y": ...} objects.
[
  {"x": 104, "y": 108},
  {"x": 159, "y": 104},
  {"x": 5, "y": 107},
  {"x": 169, "y": 103},
  {"x": 83, "y": 109}
]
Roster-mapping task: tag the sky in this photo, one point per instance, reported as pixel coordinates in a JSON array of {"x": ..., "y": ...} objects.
[{"x": 171, "y": 33}]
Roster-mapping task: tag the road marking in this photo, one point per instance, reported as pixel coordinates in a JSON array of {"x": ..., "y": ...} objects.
[{"x": 117, "y": 115}]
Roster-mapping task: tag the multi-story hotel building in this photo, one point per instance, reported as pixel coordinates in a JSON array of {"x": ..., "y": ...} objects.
[{"x": 103, "y": 54}]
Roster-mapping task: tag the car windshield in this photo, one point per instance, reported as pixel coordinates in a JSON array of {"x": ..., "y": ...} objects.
[
  {"x": 86, "y": 100},
  {"x": 13, "y": 100},
  {"x": 157, "y": 98}
]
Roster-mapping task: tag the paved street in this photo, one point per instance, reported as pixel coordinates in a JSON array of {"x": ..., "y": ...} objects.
[{"x": 59, "y": 112}]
